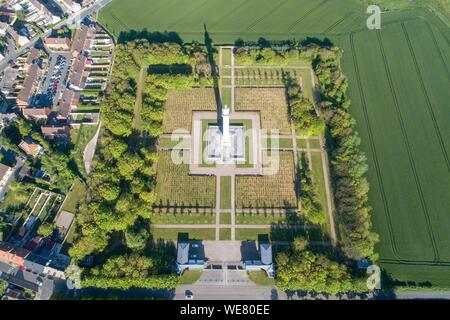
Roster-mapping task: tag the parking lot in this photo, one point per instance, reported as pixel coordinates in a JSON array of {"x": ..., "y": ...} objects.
[
  {"x": 54, "y": 80},
  {"x": 224, "y": 274}
]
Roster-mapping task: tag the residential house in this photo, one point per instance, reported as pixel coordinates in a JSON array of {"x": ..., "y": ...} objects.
[
  {"x": 13, "y": 255},
  {"x": 55, "y": 132},
  {"x": 57, "y": 44},
  {"x": 29, "y": 86},
  {"x": 31, "y": 148},
  {"x": 20, "y": 40},
  {"x": 32, "y": 58},
  {"x": 36, "y": 114},
  {"x": 79, "y": 73},
  {"x": 68, "y": 103}
]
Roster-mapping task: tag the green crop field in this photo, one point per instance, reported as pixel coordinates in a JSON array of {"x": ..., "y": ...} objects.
[{"x": 399, "y": 79}]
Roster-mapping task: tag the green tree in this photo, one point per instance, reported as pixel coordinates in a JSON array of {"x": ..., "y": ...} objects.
[
  {"x": 46, "y": 229},
  {"x": 136, "y": 239}
]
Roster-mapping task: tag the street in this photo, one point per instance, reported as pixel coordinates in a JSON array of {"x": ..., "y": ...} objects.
[{"x": 219, "y": 292}]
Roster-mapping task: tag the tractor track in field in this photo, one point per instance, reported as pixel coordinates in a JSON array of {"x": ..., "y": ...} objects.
[
  {"x": 374, "y": 152},
  {"x": 427, "y": 98},
  {"x": 416, "y": 262},
  {"x": 120, "y": 22},
  {"x": 268, "y": 13},
  {"x": 293, "y": 25},
  {"x": 408, "y": 148},
  {"x": 188, "y": 13},
  {"x": 438, "y": 49},
  {"x": 335, "y": 24}
]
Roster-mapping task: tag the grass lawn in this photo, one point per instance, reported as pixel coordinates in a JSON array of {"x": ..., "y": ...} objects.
[
  {"x": 80, "y": 138},
  {"x": 225, "y": 192},
  {"x": 226, "y": 57},
  {"x": 301, "y": 143},
  {"x": 69, "y": 240},
  {"x": 225, "y": 234},
  {"x": 183, "y": 218},
  {"x": 251, "y": 234},
  {"x": 319, "y": 179},
  {"x": 260, "y": 278},
  {"x": 88, "y": 108},
  {"x": 193, "y": 234},
  {"x": 285, "y": 143},
  {"x": 75, "y": 195},
  {"x": 260, "y": 218},
  {"x": 190, "y": 276},
  {"x": 314, "y": 144},
  {"x": 225, "y": 218}
]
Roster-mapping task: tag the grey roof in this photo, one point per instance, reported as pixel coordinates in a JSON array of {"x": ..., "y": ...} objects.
[
  {"x": 265, "y": 249},
  {"x": 182, "y": 252},
  {"x": 27, "y": 280}
]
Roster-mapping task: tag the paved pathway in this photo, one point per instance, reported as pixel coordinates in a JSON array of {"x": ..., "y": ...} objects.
[{"x": 89, "y": 151}]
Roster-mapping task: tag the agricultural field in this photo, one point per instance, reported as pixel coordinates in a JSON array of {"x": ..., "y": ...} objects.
[
  {"x": 400, "y": 101},
  {"x": 269, "y": 191},
  {"x": 181, "y": 103},
  {"x": 270, "y": 102},
  {"x": 398, "y": 84},
  {"x": 176, "y": 188}
]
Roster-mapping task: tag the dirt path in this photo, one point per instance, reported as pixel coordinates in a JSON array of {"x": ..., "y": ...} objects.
[
  {"x": 326, "y": 175},
  {"x": 138, "y": 103}
]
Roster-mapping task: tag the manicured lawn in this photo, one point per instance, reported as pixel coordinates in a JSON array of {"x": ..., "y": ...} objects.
[
  {"x": 301, "y": 143},
  {"x": 225, "y": 218},
  {"x": 80, "y": 138},
  {"x": 173, "y": 234},
  {"x": 319, "y": 179},
  {"x": 225, "y": 234},
  {"x": 314, "y": 144},
  {"x": 190, "y": 276},
  {"x": 225, "y": 192},
  {"x": 260, "y": 278},
  {"x": 251, "y": 234},
  {"x": 183, "y": 218},
  {"x": 226, "y": 57},
  {"x": 260, "y": 218},
  {"x": 74, "y": 196}
]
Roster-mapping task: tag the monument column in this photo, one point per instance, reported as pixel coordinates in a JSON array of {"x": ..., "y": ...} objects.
[{"x": 226, "y": 140}]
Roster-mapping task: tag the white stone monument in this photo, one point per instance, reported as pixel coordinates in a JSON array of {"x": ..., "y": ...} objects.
[{"x": 226, "y": 138}]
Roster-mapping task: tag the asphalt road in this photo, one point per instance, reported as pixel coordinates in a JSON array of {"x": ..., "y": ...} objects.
[
  {"x": 77, "y": 17},
  {"x": 219, "y": 292}
]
